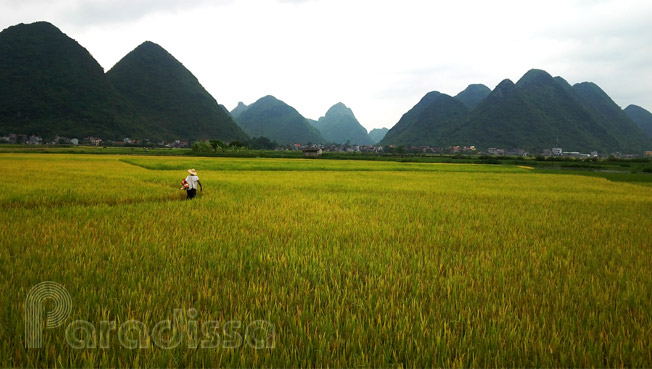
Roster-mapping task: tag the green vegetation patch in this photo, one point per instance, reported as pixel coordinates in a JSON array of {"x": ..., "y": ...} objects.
[
  {"x": 266, "y": 164},
  {"x": 424, "y": 268}
]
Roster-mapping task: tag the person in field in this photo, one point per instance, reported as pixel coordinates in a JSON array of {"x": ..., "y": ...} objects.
[{"x": 193, "y": 181}]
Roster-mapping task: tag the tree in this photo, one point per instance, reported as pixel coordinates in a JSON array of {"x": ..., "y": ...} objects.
[
  {"x": 215, "y": 144},
  {"x": 262, "y": 143},
  {"x": 201, "y": 146},
  {"x": 235, "y": 145}
]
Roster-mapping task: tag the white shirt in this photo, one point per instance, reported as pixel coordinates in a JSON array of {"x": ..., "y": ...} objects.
[{"x": 192, "y": 182}]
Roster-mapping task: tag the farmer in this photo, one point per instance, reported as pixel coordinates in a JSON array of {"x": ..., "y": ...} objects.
[{"x": 193, "y": 181}]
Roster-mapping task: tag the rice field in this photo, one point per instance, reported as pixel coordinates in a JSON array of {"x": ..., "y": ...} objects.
[{"x": 316, "y": 263}]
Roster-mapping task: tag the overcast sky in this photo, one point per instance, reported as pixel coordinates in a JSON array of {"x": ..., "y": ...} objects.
[{"x": 378, "y": 57}]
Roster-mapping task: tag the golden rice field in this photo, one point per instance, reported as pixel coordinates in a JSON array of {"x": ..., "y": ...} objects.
[{"x": 347, "y": 263}]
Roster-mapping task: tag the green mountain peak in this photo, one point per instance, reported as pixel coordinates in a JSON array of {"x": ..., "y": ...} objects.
[
  {"x": 340, "y": 126},
  {"x": 428, "y": 122},
  {"x": 535, "y": 76},
  {"x": 377, "y": 134},
  {"x": 473, "y": 95},
  {"x": 506, "y": 86},
  {"x": 340, "y": 108},
  {"x": 641, "y": 117},
  {"x": 52, "y": 86},
  {"x": 535, "y": 113},
  {"x": 170, "y": 97},
  {"x": 239, "y": 109},
  {"x": 272, "y": 118}
]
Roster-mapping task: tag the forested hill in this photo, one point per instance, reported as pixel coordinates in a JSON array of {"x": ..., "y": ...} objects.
[
  {"x": 537, "y": 112},
  {"x": 276, "y": 120},
  {"x": 50, "y": 85},
  {"x": 169, "y": 96},
  {"x": 340, "y": 126}
]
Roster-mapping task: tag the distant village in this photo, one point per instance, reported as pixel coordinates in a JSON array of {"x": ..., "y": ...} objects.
[
  {"x": 18, "y": 139},
  {"x": 316, "y": 150}
]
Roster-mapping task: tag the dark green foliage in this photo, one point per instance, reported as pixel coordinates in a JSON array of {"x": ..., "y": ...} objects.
[
  {"x": 236, "y": 144},
  {"x": 203, "y": 146},
  {"x": 641, "y": 117},
  {"x": 170, "y": 97},
  {"x": 262, "y": 143},
  {"x": 216, "y": 144},
  {"x": 340, "y": 125},
  {"x": 50, "y": 85},
  {"x": 377, "y": 134},
  {"x": 473, "y": 95},
  {"x": 536, "y": 113},
  {"x": 278, "y": 121}
]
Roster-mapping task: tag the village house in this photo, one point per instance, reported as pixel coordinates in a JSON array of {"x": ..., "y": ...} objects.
[
  {"x": 16, "y": 138},
  {"x": 495, "y": 151},
  {"x": 34, "y": 140},
  {"x": 60, "y": 140},
  {"x": 180, "y": 143},
  {"x": 574, "y": 154},
  {"x": 312, "y": 152},
  {"x": 95, "y": 141},
  {"x": 516, "y": 152}
]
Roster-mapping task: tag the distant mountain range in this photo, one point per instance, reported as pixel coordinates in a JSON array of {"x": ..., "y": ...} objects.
[
  {"x": 235, "y": 113},
  {"x": 276, "y": 120},
  {"x": 537, "y": 112},
  {"x": 377, "y": 134},
  {"x": 282, "y": 123},
  {"x": 50, "y": 85},
  {"x": 340, "y": 126}
]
